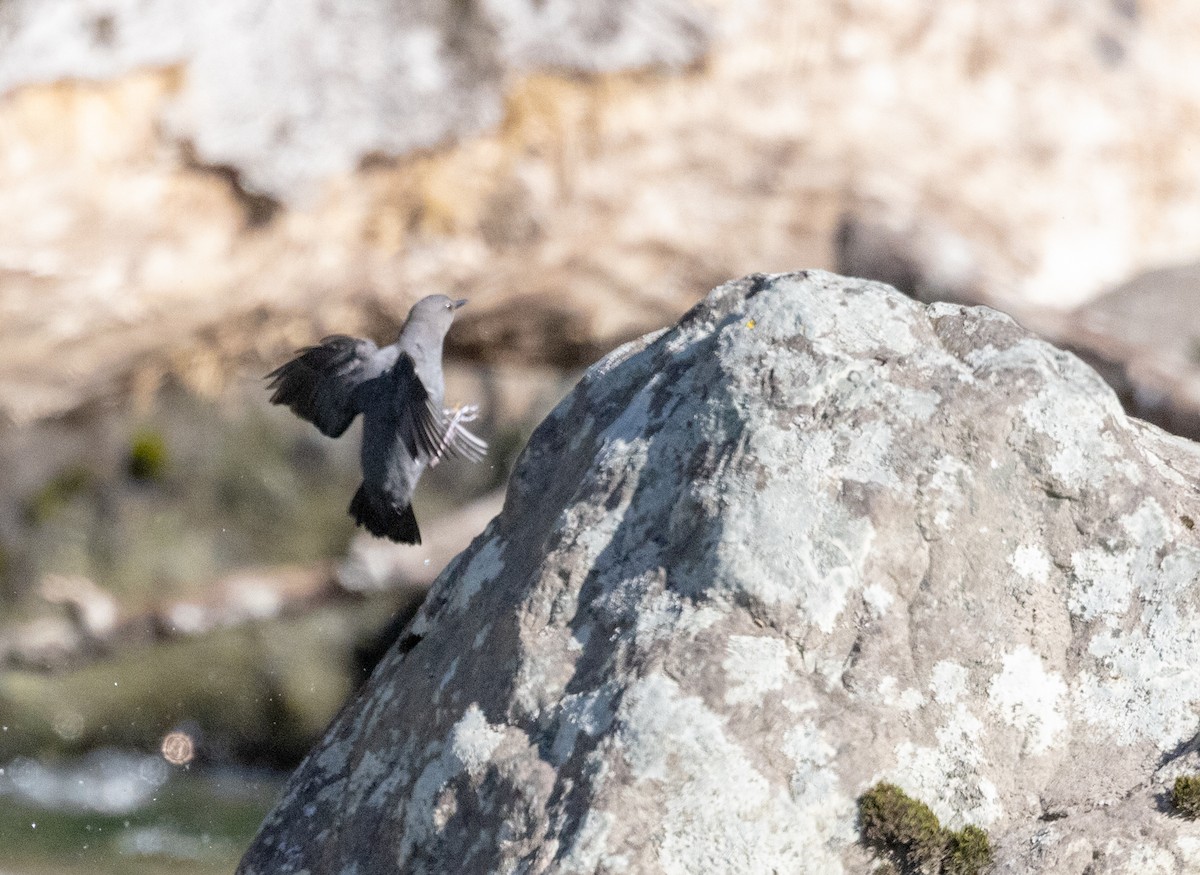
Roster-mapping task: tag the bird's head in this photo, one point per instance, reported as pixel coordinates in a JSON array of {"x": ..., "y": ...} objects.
[{"x": 436, "y": 312}]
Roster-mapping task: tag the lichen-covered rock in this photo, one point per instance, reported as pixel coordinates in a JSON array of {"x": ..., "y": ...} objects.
[{"x": 815, "y": 537}]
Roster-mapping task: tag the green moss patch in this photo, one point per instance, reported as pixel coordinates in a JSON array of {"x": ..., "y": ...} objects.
[
  {"x": 908, "y": 831},
  {"x": 1185, "y": 796}
]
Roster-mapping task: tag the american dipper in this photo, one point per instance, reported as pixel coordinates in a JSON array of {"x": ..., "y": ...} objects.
[{"x": 398, "y": 390}]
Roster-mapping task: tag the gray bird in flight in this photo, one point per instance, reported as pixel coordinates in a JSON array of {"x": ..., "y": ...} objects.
[{"x": 399, "y": 392}]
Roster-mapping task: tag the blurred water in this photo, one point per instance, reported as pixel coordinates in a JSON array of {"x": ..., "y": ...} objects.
[
  {"x": 116, "y": 812},
  {"x": 159, "y": 841},
  {"x": 104, "y": 781}
]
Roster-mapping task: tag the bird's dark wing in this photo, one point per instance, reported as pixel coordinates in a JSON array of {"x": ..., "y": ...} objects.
[
  {"x": 319, "y": 383},
  {"x": 418, "y": 420}
]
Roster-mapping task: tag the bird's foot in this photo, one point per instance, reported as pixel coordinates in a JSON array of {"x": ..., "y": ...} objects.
[
  {"x": 462, "y": 413},
  {"x": 457, "y": 440}
]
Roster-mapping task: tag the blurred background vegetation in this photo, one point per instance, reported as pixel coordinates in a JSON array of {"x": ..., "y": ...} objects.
[{"x": 190, "y": 192}]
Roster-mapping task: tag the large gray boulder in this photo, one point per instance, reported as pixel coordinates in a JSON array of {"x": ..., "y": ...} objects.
[{"x": 816, "y": 536}]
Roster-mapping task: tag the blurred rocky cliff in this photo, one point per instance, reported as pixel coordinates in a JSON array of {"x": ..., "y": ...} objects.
[{"x": 188, "y": 188}]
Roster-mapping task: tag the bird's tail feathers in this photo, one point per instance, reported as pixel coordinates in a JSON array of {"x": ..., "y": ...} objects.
[{"x": 383, "y": 520}]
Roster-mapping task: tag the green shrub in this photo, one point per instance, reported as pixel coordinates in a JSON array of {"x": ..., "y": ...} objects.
[
  {"x": 967, "y": 852},
  {"x": 1185, "y": 796},
  {"x": 893, "y": 822},
  {"x": 147, "y": 456}
]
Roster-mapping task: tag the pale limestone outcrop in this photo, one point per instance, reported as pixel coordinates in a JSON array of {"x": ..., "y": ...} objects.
[
  {"x": 974, "y": 132},
  {"x": 288, "y": 95}
]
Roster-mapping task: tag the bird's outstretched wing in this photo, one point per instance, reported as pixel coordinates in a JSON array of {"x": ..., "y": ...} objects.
[
  {"x": 318, "y": 384},
  {"x": 418, "y": 420}
]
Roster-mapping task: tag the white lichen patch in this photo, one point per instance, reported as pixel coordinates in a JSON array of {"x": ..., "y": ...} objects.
[
  {"x": 861, "y": 324},
  {"x": 1079, "y": 428},
  {"x": 1146, "y": 684},
  {"x": 446, "y": 678},
  {"x": 948, "y": 681},
  {"x": 1102, "y": 583},
  {"x": 1142, "y": 858},
  {"x": 1189, "y": 851},
  {"x": 467, "y": 748},
  {"x": 945, "y": 489},
  {"x": 866, "y": 387},
  {"x": 1031, "y": 699},
  {"x": 917, "y": 405},
  {"x": 813, "y": 777},
  {"x": 472, "y": 740},
  {"x": 889, "y": 693},
  {"x": 797, "y": 707},
  {"x": 877, "y": 599},
  {"x": 950, "y": 777},
  {"x": 628, "y": 431},
  {"x": 723, "y": 815},
  {"x": 1031, "y": 563},
  {"x": 786, "y": 544},
  {"x": 867, "y": 454},
  {"x": 826, "y": 595},
  {"x": 587, "y": 845},
  {"x": 446, "y": 808},
  {"x": 1105, "y": 577},
  {"x": 540, "y": 675},
  {"x": 1143, "y": 689},
  {"x": 485, "y": 566},
  {"x": 754, "y": 666},
  {"x": 666, "y": 615},
  {"x": 590, "y": 713}
]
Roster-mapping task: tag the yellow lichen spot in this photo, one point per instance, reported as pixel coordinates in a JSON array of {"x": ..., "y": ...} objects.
[{"x": 751, "y": 323}]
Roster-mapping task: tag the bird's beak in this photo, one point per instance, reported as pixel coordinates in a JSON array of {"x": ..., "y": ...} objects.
[{"x": 459, "y": 303}]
